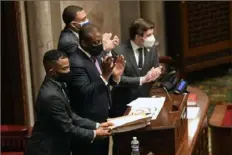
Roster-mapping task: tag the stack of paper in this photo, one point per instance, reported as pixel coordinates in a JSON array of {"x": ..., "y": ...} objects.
[
  {"x": 148, "y": 106},
  {"x": 129, "y": 122}
]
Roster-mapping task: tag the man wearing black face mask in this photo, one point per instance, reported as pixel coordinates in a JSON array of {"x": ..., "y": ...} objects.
[
  {"x": 90, "y": 95},
  {"x": 55, "y": 122}
]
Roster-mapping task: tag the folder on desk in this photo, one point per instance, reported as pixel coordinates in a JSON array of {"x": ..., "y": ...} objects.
[{"x": 129, "y": 122}]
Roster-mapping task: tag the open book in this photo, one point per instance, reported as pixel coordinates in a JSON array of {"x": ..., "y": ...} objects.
[
  {"x": 129, "y": 122},
  {"x": 147, "y": 105}
]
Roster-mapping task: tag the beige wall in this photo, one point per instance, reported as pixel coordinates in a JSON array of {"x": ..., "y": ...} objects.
[
  {"x": 154, "y": 11},
  {"x": 104, "y": 14}
]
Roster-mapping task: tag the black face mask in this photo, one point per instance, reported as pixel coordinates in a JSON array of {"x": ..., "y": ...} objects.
[
  {"x": 95, "y": 50},
  {"x": 64, "y": 77}
]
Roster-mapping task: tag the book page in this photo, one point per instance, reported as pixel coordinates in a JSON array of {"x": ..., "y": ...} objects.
[{"x": 147, "y": 105}]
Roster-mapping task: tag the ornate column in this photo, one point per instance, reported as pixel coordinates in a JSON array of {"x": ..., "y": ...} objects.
[
  {"x": 28, "y": 105},
  {"x": 40, "y": 38},
  {"x": 154, "y": 11}
]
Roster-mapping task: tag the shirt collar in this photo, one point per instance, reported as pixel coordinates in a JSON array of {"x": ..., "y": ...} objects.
[
  {"x": 86, "y": 53},
  {"x": 76, "y": 34},
  {"x": 134, "y": 46},
  {"x": 56, "y": 82}
]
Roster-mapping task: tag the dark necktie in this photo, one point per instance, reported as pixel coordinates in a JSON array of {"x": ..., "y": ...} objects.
[{"x": 140, "y": 64}]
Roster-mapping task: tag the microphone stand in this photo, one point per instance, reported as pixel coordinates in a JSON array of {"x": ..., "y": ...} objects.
[{"x": 174, "y": 107}]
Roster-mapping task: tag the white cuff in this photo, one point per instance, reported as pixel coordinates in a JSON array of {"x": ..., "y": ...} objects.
[
  {"x": 118, "y": 80},
  {"x": 106, "y": 82},
  {"x": 97, "y": 125},
  {"x": 140, "y": 81},
  {"x": 109, "y": 53},
  {"x": 94, "y": 135}
]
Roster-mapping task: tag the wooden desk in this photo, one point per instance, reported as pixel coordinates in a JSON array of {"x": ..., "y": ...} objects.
[
  {"x": 221, "y": 130},
  {"x": 157, "y": 138},
  {"x": 195, "y": 141}
]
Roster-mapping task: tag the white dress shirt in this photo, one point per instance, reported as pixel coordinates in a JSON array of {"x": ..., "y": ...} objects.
[{"x": 136, "y": 51}]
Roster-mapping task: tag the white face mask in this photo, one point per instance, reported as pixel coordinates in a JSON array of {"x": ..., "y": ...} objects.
[
  {"x": 149, "y": 41},
  {"x": 83, "y": 23}
]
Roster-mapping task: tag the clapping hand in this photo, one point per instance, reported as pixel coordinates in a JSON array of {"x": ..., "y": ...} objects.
[
  {"x": 119, "y": 68},
  {"x": 108, "y": 43},
  {"x": 107, "y": 67},
  {"x": 155, "y": 73},
  {"x": 152, "y": 74}
]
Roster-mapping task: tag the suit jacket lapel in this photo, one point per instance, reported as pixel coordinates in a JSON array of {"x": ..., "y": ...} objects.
[
  {"x": 132, "y": 59},
  {"x": 90, "y": 63}
]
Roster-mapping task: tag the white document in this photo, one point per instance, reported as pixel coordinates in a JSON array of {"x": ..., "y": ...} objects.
[
  {"x": 192, "y": 112},
  {"x": 147, "y": 105},
  {"x": 119, "y": 121}
]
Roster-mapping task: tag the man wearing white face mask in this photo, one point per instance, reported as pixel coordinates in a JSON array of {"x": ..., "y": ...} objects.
[
  {"x": 142, "y": 66},
  {"x": 74, "y": 18}
]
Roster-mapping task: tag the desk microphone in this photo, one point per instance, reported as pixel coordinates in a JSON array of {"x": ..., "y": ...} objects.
[
  {"x": 174, "y": 107},
  {"x": 167, "y": 94}
]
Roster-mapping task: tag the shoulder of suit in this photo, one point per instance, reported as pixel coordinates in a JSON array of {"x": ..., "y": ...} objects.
[
  {"x": 67, "y": 37},
  {"x": 77, "y": 59},
  {"x": 47, "y": 91}
]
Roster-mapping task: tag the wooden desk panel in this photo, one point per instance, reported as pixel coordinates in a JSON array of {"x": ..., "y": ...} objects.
[
  {"x": 196, "y": 128},
  {"x": 221, "y": 134},
  {"x": 194, "y": 137}
]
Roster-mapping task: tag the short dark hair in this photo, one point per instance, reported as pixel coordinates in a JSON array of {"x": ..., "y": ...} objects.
[
  {"x": 52, "y": 56},
  {"x": 85, "y": 30},
  {"x": 139, "y": 26},
  {"x": 69, "y": 13}
]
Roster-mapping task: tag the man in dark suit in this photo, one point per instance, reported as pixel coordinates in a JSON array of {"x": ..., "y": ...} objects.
[
  {"x": 55, "y": 122},
  {"x": 74, "y": 18},
  {"x": 141, "y": 69},
  {"x": 90, "y": 95}
]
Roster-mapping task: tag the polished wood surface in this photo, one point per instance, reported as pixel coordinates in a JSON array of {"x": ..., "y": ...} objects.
[
  {"x": 218, "y": 115},
  {"x": 158, "y": 136},
  {"x": 194, "y": 125},
  {"x": 192, "y": 40},
  {"x": 221, "y": 135}
]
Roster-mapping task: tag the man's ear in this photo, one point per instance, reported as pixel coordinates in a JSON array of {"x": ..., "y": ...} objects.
[
  {"x": 75, "y": 25},
  {"x": 137, "y": 36}
]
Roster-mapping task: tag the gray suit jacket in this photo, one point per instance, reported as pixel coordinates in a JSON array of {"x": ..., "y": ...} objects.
[
  {"x": 56, "y": 123},
  {"x": 129, "y": 88},
  {"x": 68, "y": 41}
]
